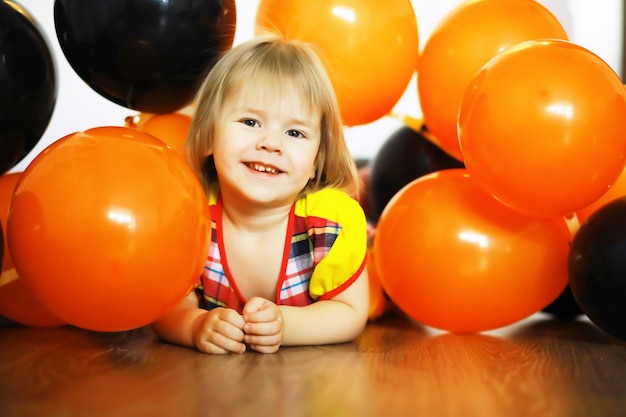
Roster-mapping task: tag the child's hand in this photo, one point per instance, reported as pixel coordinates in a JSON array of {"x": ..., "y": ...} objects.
[
  {"x": 219, "y": 330},
  {"x": 264, "y": 325}
]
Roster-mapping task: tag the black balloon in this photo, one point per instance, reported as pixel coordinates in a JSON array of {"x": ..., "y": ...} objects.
[
  {"x": 405, "y": 156},
  {"x": 565, "y": 306},
  {"x": 146, "y": 55},
  {"x": 597, "y": 267},
  {"x": 28, "y": 84}
]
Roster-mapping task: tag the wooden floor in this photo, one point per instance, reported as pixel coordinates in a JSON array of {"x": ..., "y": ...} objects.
[{"x": 538, "y": 367}]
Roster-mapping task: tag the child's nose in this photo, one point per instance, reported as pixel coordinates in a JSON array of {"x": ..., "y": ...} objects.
[{"x": 270, "y": 141}]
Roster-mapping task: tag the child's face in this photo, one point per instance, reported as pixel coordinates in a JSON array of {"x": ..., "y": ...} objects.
[{"x": 265, "y": 146}]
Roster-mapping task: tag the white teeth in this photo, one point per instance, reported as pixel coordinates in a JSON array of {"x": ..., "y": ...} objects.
[{"x": 263, "y": 168}]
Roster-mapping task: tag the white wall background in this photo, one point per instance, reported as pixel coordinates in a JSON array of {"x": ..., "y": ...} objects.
[{"x": 595, "y": 25}]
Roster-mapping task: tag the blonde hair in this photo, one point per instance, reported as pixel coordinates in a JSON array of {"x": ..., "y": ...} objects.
[{"x": 278, "y": 65}]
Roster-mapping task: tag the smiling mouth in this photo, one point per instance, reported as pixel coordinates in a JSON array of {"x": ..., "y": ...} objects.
[{"x": 263, "y": 168}]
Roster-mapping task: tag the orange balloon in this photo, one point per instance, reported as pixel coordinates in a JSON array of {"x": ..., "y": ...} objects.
[
  {"x": 109, "y": 228},
  {"x": 470, "y": 35},
  {"x": 369, "y": 51},
  {"x": 7, "y": 187},
  {"x": 16, "y": 301},
  {"x": 378, "y": 299},
  {"x": 617, "y": 190},
  {"x": 18, "y": 304},
  {"x": 171, "y": 128},
  {"x": 137, "y": 120},
  {"x": 542, "y": 127},
  {"x": 454, "y": 258}
]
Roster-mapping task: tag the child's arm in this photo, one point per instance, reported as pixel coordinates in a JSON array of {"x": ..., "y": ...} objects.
[
  {"x": 336, "y": 320},
  {"x": 219, "y": 330}
]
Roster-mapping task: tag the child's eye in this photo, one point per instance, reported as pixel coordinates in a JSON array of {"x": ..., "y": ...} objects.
[
  {"x": 249, "y": 122},
  {"x": 295, "y": 133}
]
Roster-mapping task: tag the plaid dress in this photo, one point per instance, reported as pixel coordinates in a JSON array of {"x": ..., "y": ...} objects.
[{"x": 327, "y": 243}]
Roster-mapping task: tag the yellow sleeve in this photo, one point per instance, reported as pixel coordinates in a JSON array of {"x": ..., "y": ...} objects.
[
  {"x": 214, "y": 190},
  {"x": 344, "y": 259}
]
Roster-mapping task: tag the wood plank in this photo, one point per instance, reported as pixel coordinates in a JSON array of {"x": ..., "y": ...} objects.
[{"x": 395, "y": 368}]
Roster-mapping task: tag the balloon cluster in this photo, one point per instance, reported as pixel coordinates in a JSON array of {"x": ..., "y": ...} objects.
[
  {"x": 468, "y": 36},
  {"x": 538, "y": 123},
  {"x": 106, "y": 228}
]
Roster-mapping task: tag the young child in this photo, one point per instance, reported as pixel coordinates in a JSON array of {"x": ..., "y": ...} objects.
[{"x": 286, "y": 264}]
